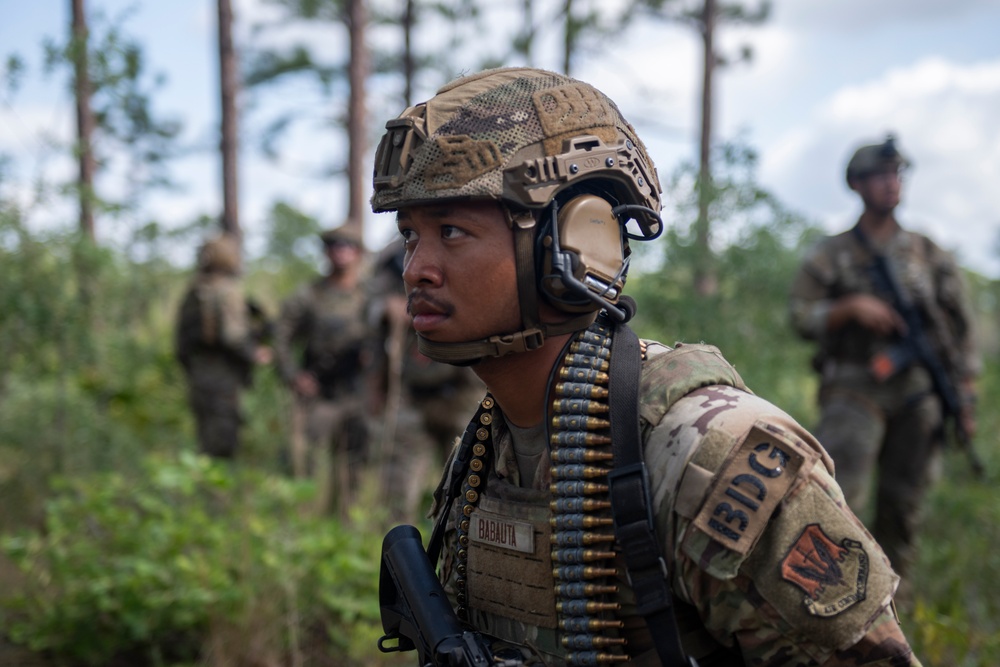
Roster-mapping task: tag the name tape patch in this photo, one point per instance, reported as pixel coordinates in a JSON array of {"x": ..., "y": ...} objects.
[
  {"x": 502, "y": 533},
  {"x": 748, "y": 488}
]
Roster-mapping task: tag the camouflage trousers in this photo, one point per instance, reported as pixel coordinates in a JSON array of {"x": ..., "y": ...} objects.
[
  {"x": 890, "y": 432},
  {"x": 424, "y": 432},
  {"x": 329, "y": 443},
  {"x": 214, "y": 397}
]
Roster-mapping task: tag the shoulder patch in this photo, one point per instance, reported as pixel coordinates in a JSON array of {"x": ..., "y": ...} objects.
[
  {"x": 748, "y": 487},
  {"x": 833, "y": 575}
]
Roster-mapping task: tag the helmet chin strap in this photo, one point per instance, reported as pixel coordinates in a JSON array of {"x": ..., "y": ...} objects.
[{"x": 534, "y": 331}]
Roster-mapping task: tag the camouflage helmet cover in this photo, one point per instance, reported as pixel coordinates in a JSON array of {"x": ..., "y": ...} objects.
[
  {"x": 346, "y": 233},
  {"x": 870, "y": 158},
  {"x": 516, "y": 135},
  {"x": 219, "y": 255}
]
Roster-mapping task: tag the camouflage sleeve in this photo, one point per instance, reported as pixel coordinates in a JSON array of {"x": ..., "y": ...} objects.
[
  {"x": 287, "y": 330},
  {"x": 953, "y": 299},
  {"x": 809, "y": 299},
  {"x": 760, "y": 539}
]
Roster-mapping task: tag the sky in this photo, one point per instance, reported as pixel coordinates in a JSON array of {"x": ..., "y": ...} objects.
[{"x": 826, "y": 76}]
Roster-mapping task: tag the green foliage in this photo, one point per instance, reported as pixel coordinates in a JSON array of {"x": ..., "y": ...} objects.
[
  {"x": 746, "y": 318},
  {"x": 292, "y": 241},
  {"x": 956, "y": 616},
  {"x": 12, "y": 72},
  {"x": 149, "y": 564},
  {"x": 130, "y": 136}
]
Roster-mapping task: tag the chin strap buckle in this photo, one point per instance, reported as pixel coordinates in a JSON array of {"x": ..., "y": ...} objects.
[{"x": 522, "y": 341}]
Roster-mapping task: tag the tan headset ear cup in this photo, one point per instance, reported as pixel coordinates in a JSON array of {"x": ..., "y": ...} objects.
[{"x": 590, "y": 243}]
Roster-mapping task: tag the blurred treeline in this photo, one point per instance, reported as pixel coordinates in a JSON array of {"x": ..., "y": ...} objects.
[{"x": 120, "y": 546}]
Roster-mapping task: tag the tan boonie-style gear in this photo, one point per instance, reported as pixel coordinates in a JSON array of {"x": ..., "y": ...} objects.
[{"x": 766, "y": 562}]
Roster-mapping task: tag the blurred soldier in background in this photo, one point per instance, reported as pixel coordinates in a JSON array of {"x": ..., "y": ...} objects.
[
  {"x": 881, "y": 406},
  {"x": 215, "y": 344},
  {"x": 320, "y": 352},
  {"x": 424, "y": 404}
]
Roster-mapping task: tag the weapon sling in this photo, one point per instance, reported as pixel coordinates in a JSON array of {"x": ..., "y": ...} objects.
[
  {"x": 630, "y": 503},
  {"x": 943, "y": 386}
]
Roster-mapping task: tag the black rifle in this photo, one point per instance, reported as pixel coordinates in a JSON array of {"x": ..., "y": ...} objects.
[
  {"x": 915, "y": 346},
  {"x": 416, "y": 612}
]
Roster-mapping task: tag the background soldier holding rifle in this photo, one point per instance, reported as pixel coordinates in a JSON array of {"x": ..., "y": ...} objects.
[{"x": 896, "y": 355}]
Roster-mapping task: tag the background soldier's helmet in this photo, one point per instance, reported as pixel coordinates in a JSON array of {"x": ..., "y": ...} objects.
[
  {"x": 873, "y": 157},
  {"x": 346, "y": 233},
  {"x": 219, "y": 255},
  {"x": 517, "y": 135}
]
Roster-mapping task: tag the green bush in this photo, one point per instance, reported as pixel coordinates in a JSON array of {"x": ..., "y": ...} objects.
[{"x": 188, "y": 557}]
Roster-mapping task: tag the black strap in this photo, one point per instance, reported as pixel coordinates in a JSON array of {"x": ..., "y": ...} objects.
[{"x": 631, "y": 503}]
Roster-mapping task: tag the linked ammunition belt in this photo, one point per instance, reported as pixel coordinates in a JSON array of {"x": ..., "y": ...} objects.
[{"x": 583, "y": 561}]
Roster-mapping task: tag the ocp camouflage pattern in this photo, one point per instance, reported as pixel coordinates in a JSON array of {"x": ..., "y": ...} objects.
[{"x": 810, "y": 587}]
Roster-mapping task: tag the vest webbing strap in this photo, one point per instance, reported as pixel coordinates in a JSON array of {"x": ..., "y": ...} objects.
[{"x": 631, "y": 503}]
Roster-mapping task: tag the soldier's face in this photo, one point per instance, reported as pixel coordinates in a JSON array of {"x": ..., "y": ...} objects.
[
  {"x": 459, "y": 271},
  {"x": 342, "y": 255},
  {"x": 881, "y": 190}
]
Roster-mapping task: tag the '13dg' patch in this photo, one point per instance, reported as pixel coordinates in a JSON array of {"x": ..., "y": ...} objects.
[
  {"x": 833, "y": 575},
  {"x": 749, "y": 486}
]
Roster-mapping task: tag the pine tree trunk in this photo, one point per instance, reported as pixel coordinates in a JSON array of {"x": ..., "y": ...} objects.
[
  {"x": 84, "y": 119},
  {"x": 569, "y": 41},
  {"x": 357, "y": 175},
  {"x": 229, "y": 143},
  {"x": 706, "y": 280},
  {"x": 408, "y": 62}
]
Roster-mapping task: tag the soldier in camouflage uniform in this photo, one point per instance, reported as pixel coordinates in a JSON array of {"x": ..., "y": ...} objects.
[
  {"x": 512, "y": 189},
  {"x": 215, "y": 345},
  {"x": 877, "y": 412},
  {"x": 424, "y": 403},
  {"x": 320, "y": 352}
]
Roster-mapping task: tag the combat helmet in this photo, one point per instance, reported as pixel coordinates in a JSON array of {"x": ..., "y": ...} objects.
[
  {"x": 873, "y": 157},
  {"x": 538, "y": 143},
  {"x": 220, "y": 255},
  {"x": 349, "y": 232}
]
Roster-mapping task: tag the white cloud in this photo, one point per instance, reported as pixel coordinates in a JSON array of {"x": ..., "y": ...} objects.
[
  {"x": 862, "y": 15},
  {"x": 945, "y": 117}
]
